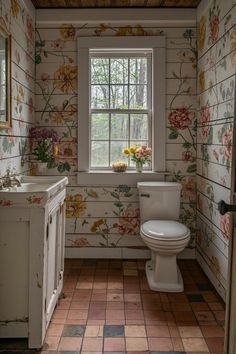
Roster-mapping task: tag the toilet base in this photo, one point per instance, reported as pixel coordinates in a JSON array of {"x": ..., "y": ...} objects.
[{"x": 176, "y": 287}]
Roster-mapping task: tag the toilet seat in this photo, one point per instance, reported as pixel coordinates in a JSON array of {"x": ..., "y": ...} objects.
[{"x": 165, "y": 230}]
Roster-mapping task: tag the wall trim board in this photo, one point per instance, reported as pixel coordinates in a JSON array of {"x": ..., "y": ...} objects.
[
  {"x": 163, "y": 17},
  {"x": 119, "y": 253}
]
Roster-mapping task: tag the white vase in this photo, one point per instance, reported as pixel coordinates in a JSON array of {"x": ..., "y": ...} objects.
[{"x": 42, "y": 167}]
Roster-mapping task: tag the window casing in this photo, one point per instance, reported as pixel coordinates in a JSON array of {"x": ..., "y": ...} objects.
[
  {"x": 120, "y": 105},
  {"x": 157, "y": 47}
]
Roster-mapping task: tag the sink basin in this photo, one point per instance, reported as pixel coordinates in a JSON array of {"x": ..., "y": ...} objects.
[{"x": 33, "y": 190}]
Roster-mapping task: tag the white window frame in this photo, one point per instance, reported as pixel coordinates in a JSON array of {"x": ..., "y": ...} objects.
[
  {"x": 157, "y": 44},
  {"x": 148, "y": 110}
]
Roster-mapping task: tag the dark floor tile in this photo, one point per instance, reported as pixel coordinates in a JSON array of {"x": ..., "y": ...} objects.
[
  {"x": 204, "y": 286},
  {"x": 73, "y": 331},
  {"x": 195, "y": 298},
  {"x": 113, "y": 331}
]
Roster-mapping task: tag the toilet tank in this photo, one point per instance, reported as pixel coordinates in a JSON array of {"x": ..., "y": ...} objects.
[{"x": 159, "y": 200}]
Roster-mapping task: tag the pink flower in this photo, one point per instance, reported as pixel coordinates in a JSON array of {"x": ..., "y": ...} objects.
[
  {"x": 181, "y": 118},
  {"x": 187, "y": 155},
  {"x": 227, "y": 142},
  {"x": 59, "y": 44},
  {"x": 205, "y": 118},
  {"x": 129, "y": 222},
  {"x": 214, "y": 25},
  {"x": 31, "y": 105},
  {"x": 225, "y": 226},
  {"x": 44, "y": 76}
]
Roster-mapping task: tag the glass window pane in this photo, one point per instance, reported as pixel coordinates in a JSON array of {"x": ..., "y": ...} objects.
[
  {"x": 119, "y": 71},
  {"x": 99, "y": 70},
  {"x": 119, "y": 126},
  {"x": 100, "y": 126},
  {"x": 116, "y": 151},
  {"x": 138, "y": 96},
  {"x": 119, "y": 96},
  {"x": 100, "y": 154},
  {"x": 138, "y": 126},
  {"x": 100, "y": 96},
  {"x": 138, "y": 70}
]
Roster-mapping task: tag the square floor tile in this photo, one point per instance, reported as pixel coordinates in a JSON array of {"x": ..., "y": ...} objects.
[
  {"x": 195, "y": 345},
  {"x": 215, "y": 344},
  {"x": 135, "y": 331},
  {"x": 136, "y": 344},
  {"x": 195, "y": 297},
  {"x": 51, "y": 343},
  {"x": 93, "y": 331},
  {"x": 73, "y": 330},
  {"x": 212, "y": 331},
  {"x": 55, "y": 330},
  {"x": 92, "y": 344},
  {"x": 190, "y": 332},
  {"x": 158, "y": 331},
  {"x": 114, "y": 344},
  {"x": 113, "y": 331},
  {"x": 70, "y": 343},
  {"x": 160, "y": 344}
]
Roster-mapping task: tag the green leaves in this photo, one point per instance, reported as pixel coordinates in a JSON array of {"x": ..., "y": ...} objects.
[
  {"x": 173, "y": 134},
  {"x": 192, "y": 168}
]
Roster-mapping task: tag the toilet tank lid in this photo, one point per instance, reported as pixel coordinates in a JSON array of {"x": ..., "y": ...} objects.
[{"x": 162, "y": 185}]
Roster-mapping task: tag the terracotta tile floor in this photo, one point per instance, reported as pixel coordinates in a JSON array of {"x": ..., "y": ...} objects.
[{"x": 107, "y": 307}]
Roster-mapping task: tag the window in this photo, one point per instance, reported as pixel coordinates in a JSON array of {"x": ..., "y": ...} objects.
[
  {"x": 121, "y": 101},
  {"x": 120, "y": 105}
]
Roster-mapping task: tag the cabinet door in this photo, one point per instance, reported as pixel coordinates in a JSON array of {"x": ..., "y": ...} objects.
[{"x": 54, "y": 261}]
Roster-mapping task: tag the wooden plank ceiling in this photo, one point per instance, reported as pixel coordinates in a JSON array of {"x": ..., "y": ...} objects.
[{"x": 40, "y": 4}]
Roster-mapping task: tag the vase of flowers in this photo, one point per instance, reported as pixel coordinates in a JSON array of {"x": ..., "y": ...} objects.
[
  {"x": 140, "y": 155},
  {"x": 45, "y": 144}
]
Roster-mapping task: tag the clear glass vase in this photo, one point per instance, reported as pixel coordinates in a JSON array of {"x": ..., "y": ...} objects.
[{"x": 139, "y": 166}]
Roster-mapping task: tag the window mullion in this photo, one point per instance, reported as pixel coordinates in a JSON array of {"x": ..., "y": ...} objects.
[{"x": 109, "y": 142}]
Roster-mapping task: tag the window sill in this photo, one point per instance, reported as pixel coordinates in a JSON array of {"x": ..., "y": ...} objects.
[{"x": 106, "y": 178}]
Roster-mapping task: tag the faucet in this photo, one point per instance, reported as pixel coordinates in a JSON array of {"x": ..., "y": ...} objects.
[{"x": 9, "y": 180}]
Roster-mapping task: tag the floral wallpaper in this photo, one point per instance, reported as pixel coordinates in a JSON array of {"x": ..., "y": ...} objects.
[
  {"x": 216, "y": 86},
  {"x": 102, "y": 217},
  {"x": 17, "y": 16}
]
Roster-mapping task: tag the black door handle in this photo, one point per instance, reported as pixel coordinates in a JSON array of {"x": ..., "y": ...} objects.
[{"x": 225, "y": 208}]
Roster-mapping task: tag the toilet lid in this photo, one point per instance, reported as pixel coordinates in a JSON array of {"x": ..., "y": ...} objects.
[{"x": 165, "y": 229}]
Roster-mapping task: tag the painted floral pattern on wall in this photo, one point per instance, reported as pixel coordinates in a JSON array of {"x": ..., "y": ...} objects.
[
  {"x": 109, "y": 217},
  {"x": 216, "y": 86},
  {"x": 14, "y": 143}
]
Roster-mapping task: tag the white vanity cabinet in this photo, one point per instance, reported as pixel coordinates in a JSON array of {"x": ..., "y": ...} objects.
[{"x": 32, "y": 232}]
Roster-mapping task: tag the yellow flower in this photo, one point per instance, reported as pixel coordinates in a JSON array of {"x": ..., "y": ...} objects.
[
  {"x": 15, "y": 8},
  {"x": 133, "y": 149},
  {"x": 75, "y": 205},
  {"x": 233, "y": 46},
  {"x": 202, "y": 33},
  {"x": 65, "y": 78},
  {"x": 57, "y": 117},
  {"x": 67, "y": 32},
  {"x": 126, "y": 151},
  {"x": 201, "y": 81}
]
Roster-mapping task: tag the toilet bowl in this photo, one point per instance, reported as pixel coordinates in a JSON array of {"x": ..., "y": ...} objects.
[{"x": 162, "y": 233}]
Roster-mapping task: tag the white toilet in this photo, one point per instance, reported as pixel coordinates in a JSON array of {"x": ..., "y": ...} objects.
[{"x": 162, "y": 233}]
